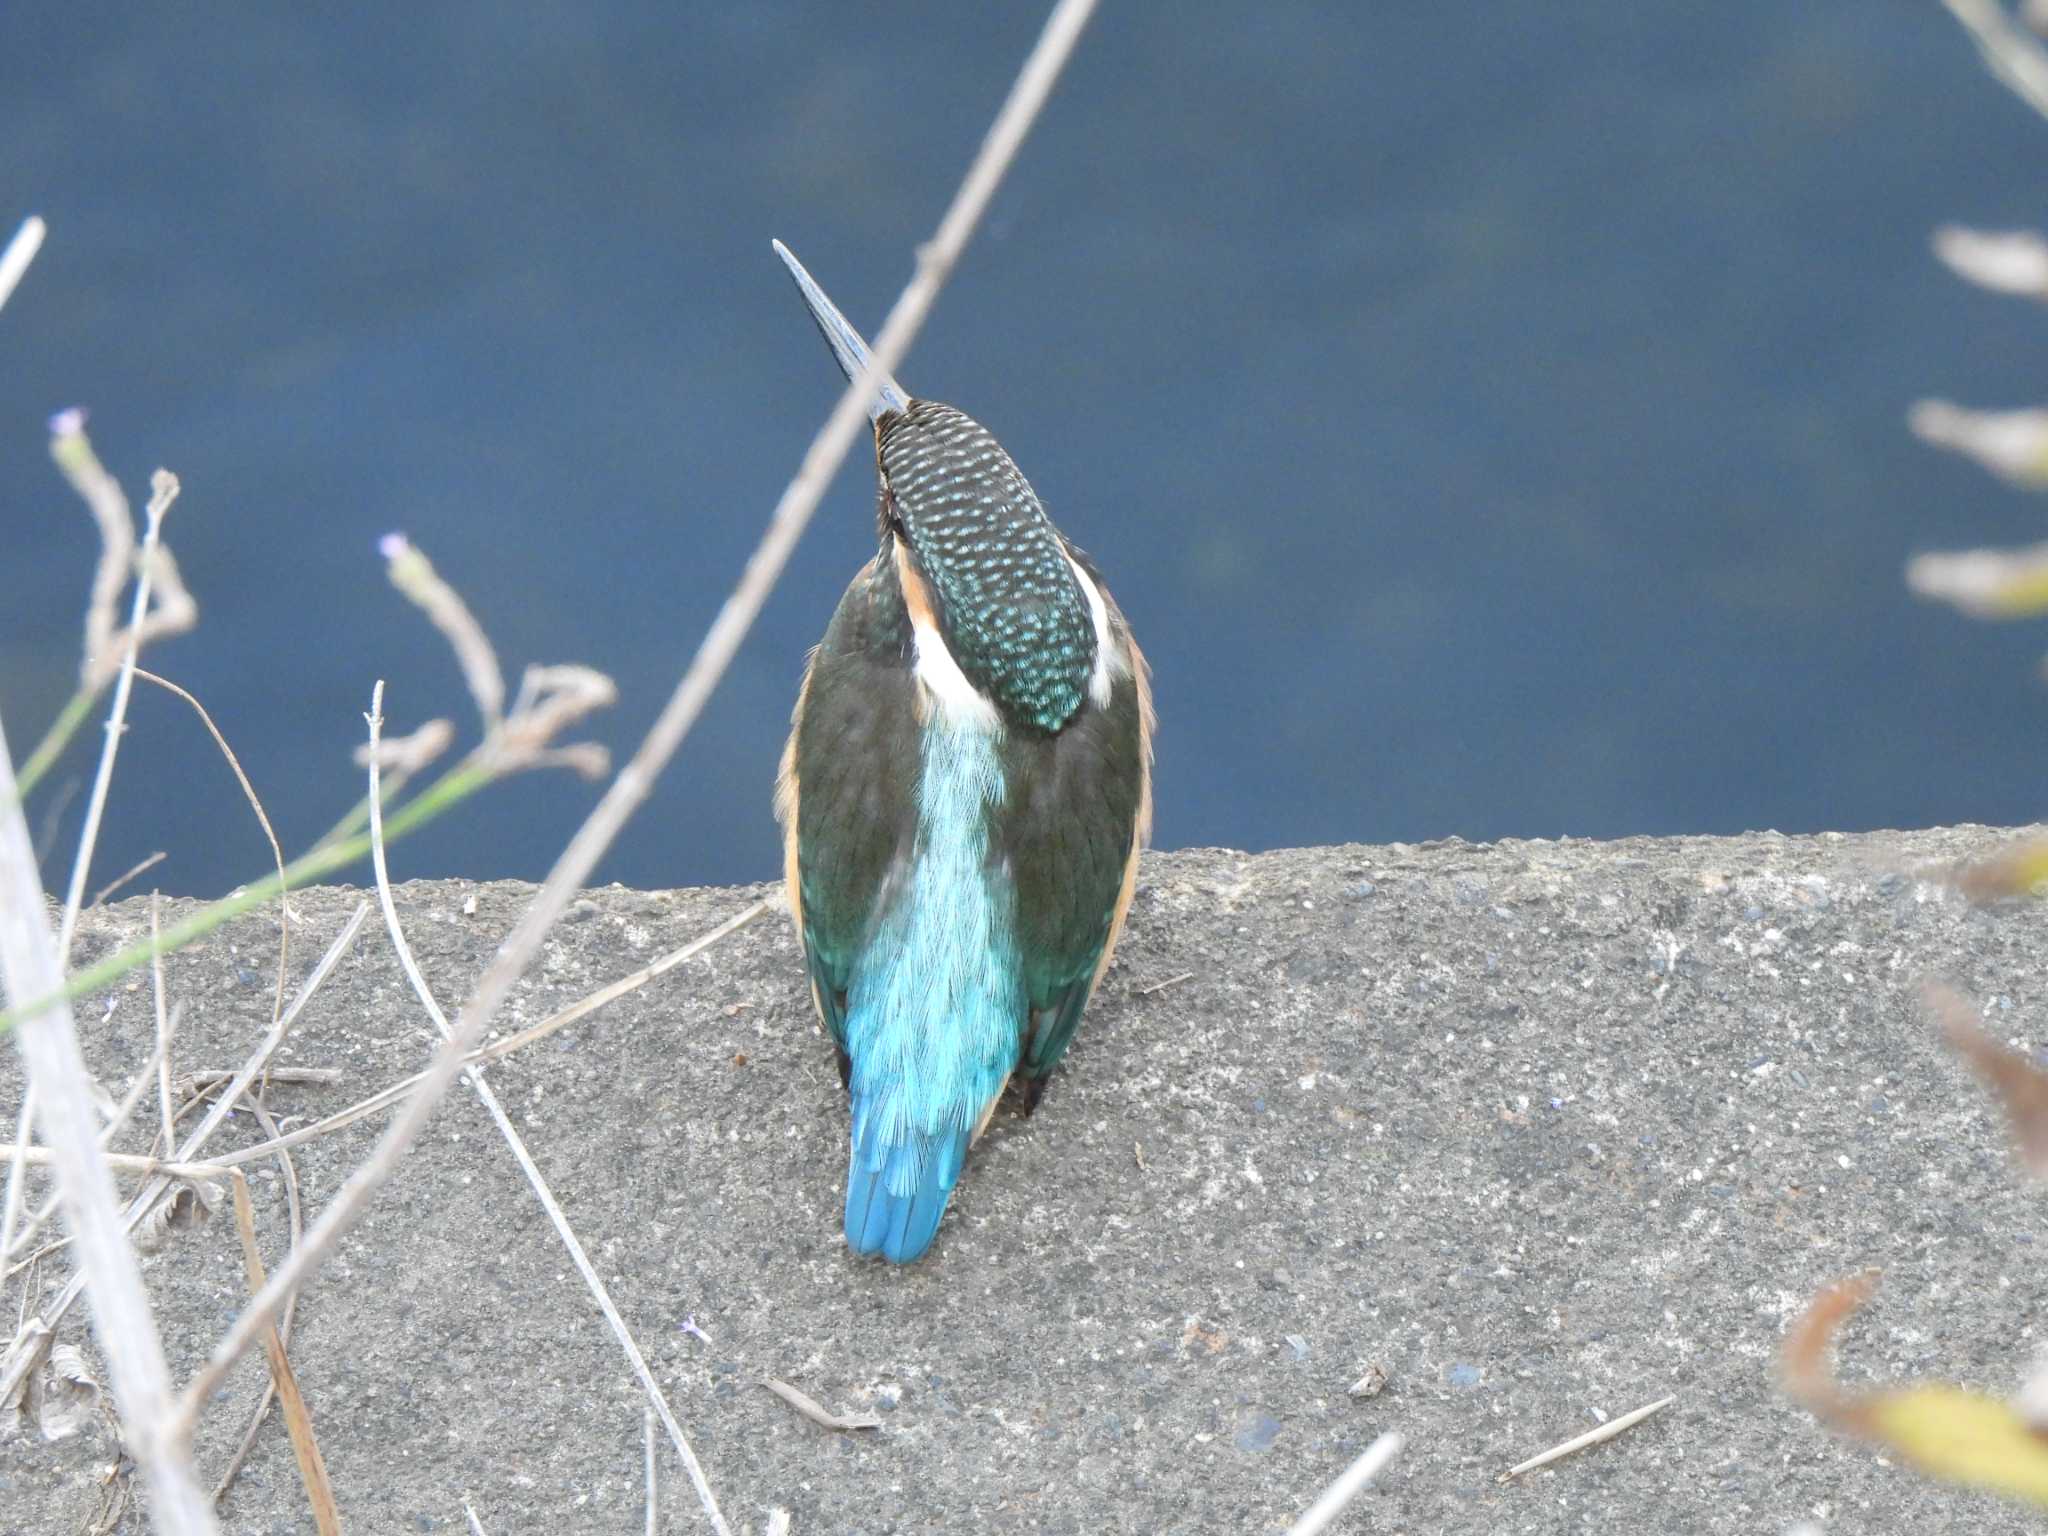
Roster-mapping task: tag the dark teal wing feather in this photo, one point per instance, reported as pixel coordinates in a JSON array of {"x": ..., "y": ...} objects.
[
  {"x": 1068, "y": 832},
  {"x": 854, "y": 761}
]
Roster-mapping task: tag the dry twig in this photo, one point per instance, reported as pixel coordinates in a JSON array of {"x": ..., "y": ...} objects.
[
  {"x": 1348, "y": 1486},
  {"x": 1591, "y": 1437},
  {"x": 296, "y": 1228},
  {"x": 324, "y": 1077},
  {"x": 817, "y": 1412},
  {"x": 298, "y": 1418},
  {"x": 284, "y": 911},
  {"x": 118, "y": 881}
]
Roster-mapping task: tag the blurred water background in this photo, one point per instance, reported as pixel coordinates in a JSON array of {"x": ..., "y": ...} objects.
[{"x": 1492, "y": 420}]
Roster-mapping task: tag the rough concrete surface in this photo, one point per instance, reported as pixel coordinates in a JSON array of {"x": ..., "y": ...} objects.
[{"x": 1544, "y": 1130}]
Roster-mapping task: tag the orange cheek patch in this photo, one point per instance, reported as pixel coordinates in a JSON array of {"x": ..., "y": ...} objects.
[{"x": 917, "y": 597}]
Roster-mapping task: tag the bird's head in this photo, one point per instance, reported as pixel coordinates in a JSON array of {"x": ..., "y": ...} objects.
[{"x": 981, "y": 566}]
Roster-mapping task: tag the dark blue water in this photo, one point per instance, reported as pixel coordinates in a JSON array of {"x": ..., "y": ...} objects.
[{"x": 1491, "y": 420}]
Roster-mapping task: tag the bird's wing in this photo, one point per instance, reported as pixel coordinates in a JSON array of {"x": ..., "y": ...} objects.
[
  {"x": 847, "y": 794},
  {"x": 1079, "y": 809}
]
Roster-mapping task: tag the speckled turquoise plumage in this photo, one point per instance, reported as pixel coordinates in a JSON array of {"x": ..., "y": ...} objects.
[{"x": 963, "y": 796}]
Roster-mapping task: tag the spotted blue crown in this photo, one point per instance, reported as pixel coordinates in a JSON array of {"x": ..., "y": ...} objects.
[{"x": 1015, "y": 617}]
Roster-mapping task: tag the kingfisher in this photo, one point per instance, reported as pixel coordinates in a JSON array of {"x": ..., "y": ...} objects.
[{"x": 967, "y": 784}]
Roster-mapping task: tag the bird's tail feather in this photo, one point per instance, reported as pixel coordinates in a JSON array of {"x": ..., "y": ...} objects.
[{"x": 896, "y": 1191}]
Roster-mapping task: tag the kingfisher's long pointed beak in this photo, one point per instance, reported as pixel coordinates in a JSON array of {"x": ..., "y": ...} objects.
[{"x": 842, "y": 338}]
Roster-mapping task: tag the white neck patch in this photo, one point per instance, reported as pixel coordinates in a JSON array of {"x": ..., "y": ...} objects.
[
  {"x": 958, "y": 702},
  {"x": 1110, "y": 663},
  {"x": 955, "y": 701}
]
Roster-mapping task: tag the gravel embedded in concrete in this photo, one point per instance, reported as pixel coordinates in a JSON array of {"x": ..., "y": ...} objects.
[{"x": 1541, "y": 1131}]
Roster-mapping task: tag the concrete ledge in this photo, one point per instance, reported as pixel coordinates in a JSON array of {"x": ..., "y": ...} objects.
[{"x": 1546, "y": 1130}]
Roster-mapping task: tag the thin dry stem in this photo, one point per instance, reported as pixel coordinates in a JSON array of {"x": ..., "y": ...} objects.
[
  {"x": 32, "y": 966},
  {"x": 407, "y": 755},
  {"x": 550, "y": 700},
  {"x": 296, "y": 1227},
  {"x": 647, "y": 1453},
  {"x": 414, "y": 576},
  {"x": 657, "y": 1401},
  {"x": 2012, "y": 54},
  {"x": 118, "y": 881},
  {"x": 324, "y": 1077},
  {"x": 163, "y": 1033},
  {"x": 816, "y": 1411},
  {"x": 259, "y": 1058},
  {"x": 498, "y": 1049},
  {"x": 174, "y": 610},
  {"x": 636, "y": 779},
  {"x": 136, "y": 1089},
  {"x": 284, "y": 911},
  {"x": 108, "y": 504},
  {"x": 15, "y": 1362},
  {"x": 1591, "y": 1437},
  {"x": 10, "y": 1210},
  {"x": 298, "y": 1417},
  {"x": 159, "y": 504},
  {"x": 1350, "y": 1483},
  {"x": 21, "y": 250},
  {"x": 37, "y": 1156}
]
